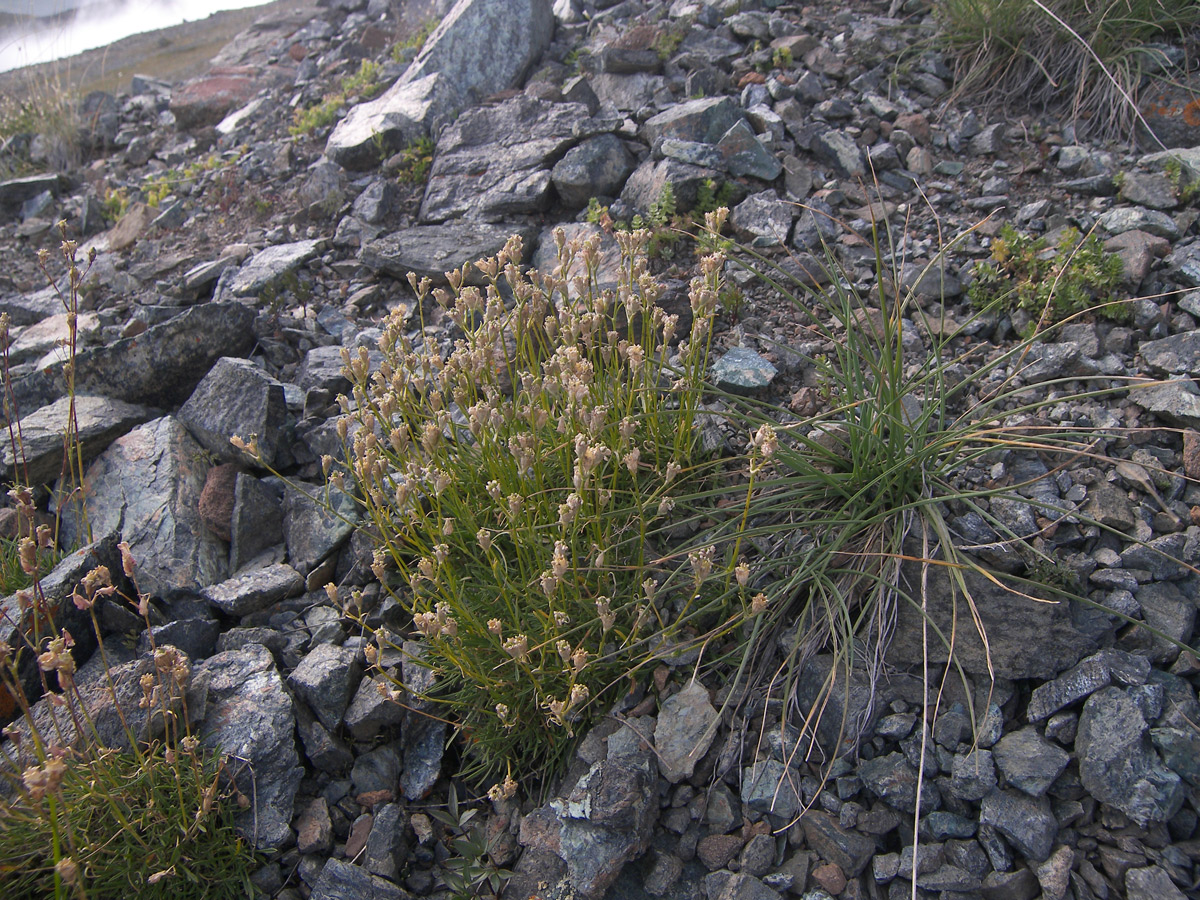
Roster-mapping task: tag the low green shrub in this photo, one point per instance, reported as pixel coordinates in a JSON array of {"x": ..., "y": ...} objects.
[{"x": 1051, "y": 284}]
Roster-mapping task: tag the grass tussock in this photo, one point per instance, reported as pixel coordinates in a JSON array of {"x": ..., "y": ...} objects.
[{"x": 1083, "y": 58}]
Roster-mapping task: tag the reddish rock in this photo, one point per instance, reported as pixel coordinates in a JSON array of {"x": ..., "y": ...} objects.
[
  {"x": 314, "y": 828},
  {"x": 205, "y": 100},
  {"x": 356, "y": 841},
  {"x": 1191, "y": 453},
  {"x": 915, "y": 124},
  {"x": 716, "y": 850},
  {"x": 830, "y": 878},
  {"x": 216, "y": 500}
]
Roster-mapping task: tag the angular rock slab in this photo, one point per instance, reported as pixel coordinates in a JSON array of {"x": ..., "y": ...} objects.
[
  {"x": 251, "y": 720},
  {"x": 148, "y": 484},
  {"x": 236, "y": 398},
  {"x": 494, "y": 162},
  {"x": 315, "y": 523},
  {"x": 326, "y": 679},
  {"x": 433, "y": 250},
  {"x": 458, "y": 65},
  {"x": 99, "y": 421},
  {"x": 684, "y": 732},
  {"x": 160, "y": 367},
  {"x": 266, "y": 267},
  {"x": 249, "y": 592},
  {"x": 597, "y": 167},
  {"x": 1026, "y": 639},
  {"x": 605, "y": 822},
  {"x": 1117, "y": 763}
]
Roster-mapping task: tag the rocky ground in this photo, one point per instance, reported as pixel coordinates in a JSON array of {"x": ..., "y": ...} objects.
[{"x": 222, "y": 308}]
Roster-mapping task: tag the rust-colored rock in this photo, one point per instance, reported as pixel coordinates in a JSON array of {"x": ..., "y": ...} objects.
[
  {"x": 216, "y": 500},
  {"x": 205, "y": 100}
]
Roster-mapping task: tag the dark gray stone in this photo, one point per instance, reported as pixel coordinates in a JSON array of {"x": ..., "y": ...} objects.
[
  {"x": 432, "y": 250},
  {"x": 703, "y": 121},
  {"x": 458, "y": 65},
  {"x": 597, "y": 167},
  {"x": 1117, "y": 763},
  {"x": 341, "y": 880},
  {"x": 327, "y": 752},
  {"x": 763, "y": 220},
  {"x": 251, "y": 591},
  {"x": 494, "y": 162},
  {"x": 769, "y": 786},
  {"x": 326, "y": 679},
  {"x": 385, "y": 850},
  {"x": 1151, "y": 883},
  {"x": 1026, "y": 822},
  {"x": 645, "y": 186},
  {"x": 149, "y": 483},
  {"x": 376, "y": 770},
  {"x": 423, "y": 742},
  {"x": 237, "y": 399},
  {"x": 316, "y": 521},
  {"x": 1174, "y": 355},
  {"x": 1151, "y": 221},
  {"x": 838, "y": 149},
  {"x": 973, "y": 775},
  {"x": 98, "y": 420},
  {"x": 684, "y": 731},
  {"x": 266, "y": 267},
  {"x": 1175, "y": 400},
  {"x": 848, "y": 850},
  {"x": 371, "y": 711},
  {"x": 742, "y": 371},
  {"x": 1029, "y": 762},
  {"x": 744, "y": 155},
  {"x": 250, "y": 719},
  {"x": 741, "y": 886},
  {"x": 257, "y": 521},
  {"x": 159, "y": 367},
  {"x": 1089, "y": 676}
]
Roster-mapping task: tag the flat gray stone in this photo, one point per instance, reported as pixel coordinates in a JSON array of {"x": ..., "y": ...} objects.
[
  {"x": 316, "y": 521},
  {"x": 495, "y": 161},
  {"x": 645, "y": 186},
  {"x": 703, "y": 121},
  {"x": 250, "y": 719},
  {"x": 1090, "y": 675},
  {"x": 1176, "y": 400},
  {"x": 763, "y": 220},
  {"x": 266, "y": 267},
  {"x": 99, "y": 421},
  {"x": 326, "y": 679},
  {"x": 151, "y": 480},
  {"x": 257, "y": 520},
  {"x": 848, "y": 850},
  {"x": 432, "y": 250},
  {"x": 1151, "y": 883},
  {"x": 769, "y": 786},
  {"x": 597, "y": 167},
  {"x": 1029, "y": 762},
  {"x": 252, "y": 591},
  {"x": 1176, "y": 354},
  {"x": 684, "y": 732},
  {"x": 744, "y": 155},
  {"x": 237, "y": 398},
  {"x": 371, "y": 711},
  {"x": 1152, "y": 221},
  {"x": 1117, "y": 763},
  {"x": 743, "y": 371},
  {"x": 1026, "y": 822},
  {"x": 341, "y": 880}
]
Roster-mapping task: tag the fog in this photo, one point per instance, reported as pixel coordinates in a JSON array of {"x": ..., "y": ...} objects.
[{"x": 94, "y": 23}]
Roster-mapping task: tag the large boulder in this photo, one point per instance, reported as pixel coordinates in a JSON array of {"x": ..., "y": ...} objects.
[{"x": 456, "y": 68}]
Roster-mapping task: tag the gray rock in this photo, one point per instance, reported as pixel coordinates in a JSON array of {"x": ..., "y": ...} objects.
[
  {"x": 457, "y": 66},
  {"x": 236, "y": 398},
  {"x": 741, "y": 886},
  {"x": 684, "y": 731},
  {"x": 159, "y": 367},
  {"x": 769, "y": 786},
  {"x": 693, "y": 153},
  {"x": 597, "y": 167},
  {"x": 645, "y": 186},
  {"x": 15, "y": 192},
  {"x": 818, "y": 225},
  {"x": 703, "y": 121},
  {"x": 1025, "y": 639},
  {"x": 376, "y": 770},
  {"x": 762, "y": 220},
  {"x": 1151, "y": 883},
  {"x": 838, "y": 149},
  {"x": 266, "y": 267},
  {"x": 1169, "y": 612},
  {"x": 973, "y": 775},
  {"x": 432, "y": 250},
  {"x": 742, "y": 371},
  {"x": 744, "y": 155},
  {"x": 341, "y": 880},
  {"x": 1175, "y": 355},
  {"x": 1110, "y": 506},
  {"x": 385, "y": 846},
  {"x": 626, "y": 93},
  {"x": 1125, "y": 218},
  {"x": 371, "y": 711},
  {"x": 247, "y": 593},
  {"x": 316, "y": 522},
  {"x": 257, "y": 520},
  {"x": 1117, "y": 763},
  {"x": 893, "y": 780},
  {"x": 1175, "y": 400},
  {"x": 250, "y": 719},
  {"x": 603, "y": 823},
  {"x": 1151, "y": 189},
  {"x": 1029, "y": 762},
  {"x": 1089, "y": 676},
  {"x": 424, "y": 741},
  {"x": 149, "y": 483},
  {"x": 494, "y": 162},
  {"x": 931, "y": 280},
  {"x": 848, "y": 850},
  {"x": 843, "y": 700},
  {"x": 326, "y": 679},
  {"x": 98, "y": 422},
  {"x": 1026, "y": 822}
]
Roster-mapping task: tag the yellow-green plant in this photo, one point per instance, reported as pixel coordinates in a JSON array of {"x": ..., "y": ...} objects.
[
  {"x": 519, "y": 479},
  {"x": 79, "y": 818},
  {"x": 363, "y": 84},
  {"x": 415, "y": 161},
  {"x": 1051, "y": 285}
]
